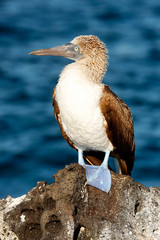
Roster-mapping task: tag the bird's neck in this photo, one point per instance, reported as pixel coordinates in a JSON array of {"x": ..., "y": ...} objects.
[
  {"x": 94, "y": 67},
  {"x": 91, "y": 68}
]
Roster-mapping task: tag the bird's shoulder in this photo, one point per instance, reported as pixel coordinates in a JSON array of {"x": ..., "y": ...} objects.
[{"x": 110, "y": 103}]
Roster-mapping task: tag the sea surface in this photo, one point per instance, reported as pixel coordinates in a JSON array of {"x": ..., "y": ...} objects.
[{"x": 31, "y": 145}]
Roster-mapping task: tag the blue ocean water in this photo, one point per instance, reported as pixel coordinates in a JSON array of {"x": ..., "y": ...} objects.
[{"x": 31, "y": 145}]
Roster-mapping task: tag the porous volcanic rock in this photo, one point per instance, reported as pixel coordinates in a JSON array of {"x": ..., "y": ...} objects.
[{"x": 69, "y": 209}]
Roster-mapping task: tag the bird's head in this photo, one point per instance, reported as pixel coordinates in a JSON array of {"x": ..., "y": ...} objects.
[
  {"x": 85, "y": 46},
  {"x": 88, "y": 52}
]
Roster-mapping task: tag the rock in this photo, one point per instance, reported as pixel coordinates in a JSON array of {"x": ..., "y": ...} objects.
[{"x": 69, "y": 209}]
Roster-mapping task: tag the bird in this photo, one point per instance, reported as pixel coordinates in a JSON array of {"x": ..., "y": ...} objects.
[{"x": 92, "y": 118}]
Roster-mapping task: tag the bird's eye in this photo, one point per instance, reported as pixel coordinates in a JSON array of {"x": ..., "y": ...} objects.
[{"x": 76, "y": 49}]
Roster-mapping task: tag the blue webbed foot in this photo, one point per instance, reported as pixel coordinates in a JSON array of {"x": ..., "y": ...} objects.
[{"x": 99, "y": 177}]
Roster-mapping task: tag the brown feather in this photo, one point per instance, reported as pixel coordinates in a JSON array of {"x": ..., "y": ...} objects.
[{"x": 119, "y": 129}]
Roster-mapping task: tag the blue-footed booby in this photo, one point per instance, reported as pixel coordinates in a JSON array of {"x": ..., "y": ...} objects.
[{"x": 92, "y": 118}]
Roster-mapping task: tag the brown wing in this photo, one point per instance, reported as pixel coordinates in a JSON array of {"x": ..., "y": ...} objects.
[{"x": 119, "y": 129}]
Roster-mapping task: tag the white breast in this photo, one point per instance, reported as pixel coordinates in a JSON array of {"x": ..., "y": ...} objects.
[{"x": 78, "y": 100}]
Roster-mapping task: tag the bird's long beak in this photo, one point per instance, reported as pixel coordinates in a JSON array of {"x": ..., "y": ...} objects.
[{"x": 63, "y": 51}]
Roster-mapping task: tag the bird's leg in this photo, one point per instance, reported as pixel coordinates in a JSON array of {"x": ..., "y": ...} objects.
[
  {"x": 80, "y": 158},
  {"x": 99, "y": 176},
  {"x": 118, "y": 167}
]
